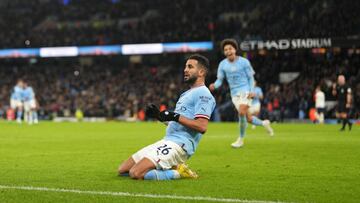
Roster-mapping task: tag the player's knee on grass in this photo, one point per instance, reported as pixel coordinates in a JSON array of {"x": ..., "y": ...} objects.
[
  {"x": 136, "y": 174},
  {"x": 126, "y": 166},
  {"x": 139, "y": 170},
  {"x": 122, "y": 170}
]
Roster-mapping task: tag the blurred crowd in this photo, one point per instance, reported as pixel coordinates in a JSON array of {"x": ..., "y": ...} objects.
[
  {"x": 99, "y": 90},
  {"x": 294, "y": 99},
  {"x": 91, "y": 22},
  {"x": 110, "y": 89}
]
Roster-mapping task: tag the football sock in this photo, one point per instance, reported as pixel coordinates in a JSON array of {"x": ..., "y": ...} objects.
[
  {"x": 349, "y": 123},
  {"x": 162, "y": 175},
  {"x": 35, "y": 115},
  {"x": 124, "y": 174},
  {"x": 350, "y": 126},
  {"x": 29, "y": 116},
  {"x": 243, "y": 125},
  {"x": 321, "y": 119},
  {"x": 256, "y": 121},
  {"x": 19, "y": 114},
  {"x": 344, "y": 122}
]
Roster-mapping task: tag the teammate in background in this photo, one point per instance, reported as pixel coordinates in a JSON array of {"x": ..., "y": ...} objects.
[
  {"x": 256, "y": 102},
  {"x": 164, "y": 160},
  {"x": 29, "y": 105},
  {"x": 16, "y": 102},
  {"x": 343, "y": 93},
  {"x": 319, "y": 104},
  {"x": 240, "y": 76}
]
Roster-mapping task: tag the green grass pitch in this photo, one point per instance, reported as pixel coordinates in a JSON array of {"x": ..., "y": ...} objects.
[{"x": 301, "y": 163}]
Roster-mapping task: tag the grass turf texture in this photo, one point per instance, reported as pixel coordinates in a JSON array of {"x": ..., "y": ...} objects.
[{"x": 302, "y": 163}]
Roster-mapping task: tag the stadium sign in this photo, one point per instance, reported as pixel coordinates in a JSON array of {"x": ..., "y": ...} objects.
[
  {"x": 115, "y": 49},
  {"x": 283, "y": 44}
]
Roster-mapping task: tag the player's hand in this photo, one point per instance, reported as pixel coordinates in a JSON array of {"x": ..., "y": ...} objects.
[
  {"x": 212, "y": 87},
  {"x": 347, "y": 105},
  {"x": 168, "y": 116},
  {"x": 152, "y": 111},
  {"x": 251, "y": 95}
]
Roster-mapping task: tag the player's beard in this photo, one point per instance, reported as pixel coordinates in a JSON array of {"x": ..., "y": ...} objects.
[{"x": 190, "y": 80}]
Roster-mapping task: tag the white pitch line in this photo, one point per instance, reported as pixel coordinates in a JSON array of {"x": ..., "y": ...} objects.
[{"x": 127, "y": 194}]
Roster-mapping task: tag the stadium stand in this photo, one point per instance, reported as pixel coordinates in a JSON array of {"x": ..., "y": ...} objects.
[
  {"x": 89, "y": 22},
  {"x": 111, "y": 89}
]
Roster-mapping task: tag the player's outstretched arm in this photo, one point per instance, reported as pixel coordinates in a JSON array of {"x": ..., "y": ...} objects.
[{"x": 219, "y": 80}]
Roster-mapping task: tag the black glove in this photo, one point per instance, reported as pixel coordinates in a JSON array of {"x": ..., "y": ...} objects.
[
  {"x": 168, "y": 116},
  {"x": 152, "y": 111}
]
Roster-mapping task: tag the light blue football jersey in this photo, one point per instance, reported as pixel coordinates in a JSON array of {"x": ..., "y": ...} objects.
[
  {"x": 239, "y": 75},
  {"x": 28, "y": 94},
  {"x": 195, "y": 103},
  {"x": 258, "y": 93},
  {"x": 16, "y": 94}
]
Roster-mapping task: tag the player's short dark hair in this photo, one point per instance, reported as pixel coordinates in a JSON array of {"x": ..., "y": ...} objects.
[
  {"x": 202, "y": 60},
  {"x": 231, "y": 42}
]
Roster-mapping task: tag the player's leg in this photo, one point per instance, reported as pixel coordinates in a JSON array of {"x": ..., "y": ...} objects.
[
  {"x": 254, "y": 112},
  {"x": 258, "y": 122},
  {"x": 344, "y": 120},
  {"x": 178, "y": 171},
  {"x": 321, "y": 115},
  {"x": 145, "y": 169},
  {"x": 28, "y": 112},
  {"x": 13, "y": 106},
  {"x": 30, "y": 117},
  {"x": 34, "y": 114},
  {"x": 19, "y": 112},
  {"x": 337, "y": 115},
  {"x": 139, "y": 170},
  {"x": 242, "y": 110},
  {"x": 349, "y": 121},
  {"x": 346, "y": 116},
  {"x": 125, "y": 167},
  {"x": 168, "y": 159},
  {"x": 317, "y": 116},
  {"x": 158, "y": 161},
  {"x": 342, "y": 114},
  {"x": 243, "y": 113},
  {"x": 242, "y": 104},
  {"x": 25, "y": 112}
]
